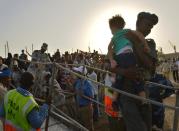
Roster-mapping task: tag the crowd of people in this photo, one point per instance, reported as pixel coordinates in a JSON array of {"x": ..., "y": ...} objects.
[
  {"x": 131, "y": 58},
  {"x": 170, "y": 68}
]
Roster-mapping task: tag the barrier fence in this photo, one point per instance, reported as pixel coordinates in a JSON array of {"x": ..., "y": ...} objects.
[
  {"x": 175, "y": 108},
  {"x": 106, "y": 71}
]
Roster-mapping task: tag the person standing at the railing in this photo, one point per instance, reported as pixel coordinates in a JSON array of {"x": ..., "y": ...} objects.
[
  {"x": 37, "y": 68},
  {"x": 92, "y": 75},
  {"x": 135, "y": 117},
  {"x": 57, "y": 56},
  {"x": 115, "y": 119},
  {"x": 8, "y": 60},
  {"x": 144, "y": 24},
  {"x": 177, "y": 63},
  {"x": 58, "y": 99},
  {"x": 39, "y": 56},
  {"x": 14, "y": 60},
  {"x": 2, "y": 65},
  {"x": 174, "y": 69},
  {"x": 5, "y": 75},
  {"x": 84, "y": 106},
  {"x": 158, "y": 93},
  {"x": 23, "y": 64},
  {"x": 121, "y": 51},
  {"x": 4, "y": 83},
  {"x": 166, "y": 69},
  {"x": 16, "y": 74},
  {"x": 5, "y": 79},
  {"x": 20, "y": 110}
]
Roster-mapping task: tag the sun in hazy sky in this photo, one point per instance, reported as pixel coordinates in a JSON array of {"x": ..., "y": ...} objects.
[
  {"x": 100, "y": 34},
  {"x": 78, "y": 24}
]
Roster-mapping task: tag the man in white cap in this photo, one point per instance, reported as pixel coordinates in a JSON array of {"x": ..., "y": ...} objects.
[{"x": 84, "y": 88}]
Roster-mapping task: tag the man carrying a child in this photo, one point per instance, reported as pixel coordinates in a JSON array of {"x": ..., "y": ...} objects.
[{"x": 127, "y": 51}]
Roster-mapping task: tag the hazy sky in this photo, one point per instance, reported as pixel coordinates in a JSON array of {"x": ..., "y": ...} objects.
[{"x": 72, "y": 24}]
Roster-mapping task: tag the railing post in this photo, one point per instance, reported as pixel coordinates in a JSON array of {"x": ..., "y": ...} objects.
[
  {"x": 176, "y": 113},
  {"x": 50, "y": 95}
]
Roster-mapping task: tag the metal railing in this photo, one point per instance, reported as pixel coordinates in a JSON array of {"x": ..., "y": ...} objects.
[{"x": 175, "y": 108}]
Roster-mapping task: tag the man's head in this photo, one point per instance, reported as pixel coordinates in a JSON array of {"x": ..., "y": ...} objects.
[
  {"x": 46, "y": 76},
  {"x": 145, "y": 22},
  {"x": 5, "y": 77},
  {"x": 116, "y": 23},
  {"x": 16, "y": 56},
  {"x": 26, "y": 80},
  {"x": 80, "y": 70},
  {"x": 44, "y": 47},
  {"x": 90, "y": 71},
  {"x": 15, "y": 65}
]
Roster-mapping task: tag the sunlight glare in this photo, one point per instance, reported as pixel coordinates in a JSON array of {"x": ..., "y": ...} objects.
[{"x": 100, "y": 33}]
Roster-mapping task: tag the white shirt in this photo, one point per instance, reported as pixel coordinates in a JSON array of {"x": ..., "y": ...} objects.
[
  {"x": 165, "y": 67},
  {"x": 93, "y": 76},
  {"x": 3, "y": 66},
  {"x": 177, "y": 63},
  {"x": 107, "y": 80}
]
